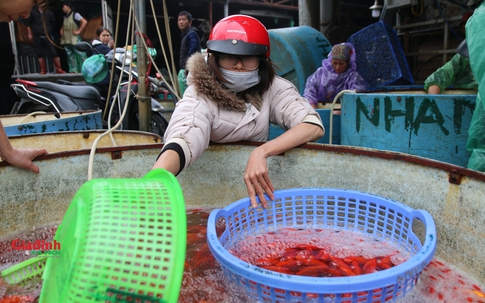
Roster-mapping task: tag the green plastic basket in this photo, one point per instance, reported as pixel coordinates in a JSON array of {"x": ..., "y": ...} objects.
[
  {"x": 122, "y": 240},
  {"x": 24, "y": 270}
]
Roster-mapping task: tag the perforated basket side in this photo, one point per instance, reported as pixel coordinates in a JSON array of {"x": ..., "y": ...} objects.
[
  {"x": 24, "y": 270},
  {"x": 378, "y": 217},
  {"x": 130, "y": 243},
  {"x": 380, "y": 58}
]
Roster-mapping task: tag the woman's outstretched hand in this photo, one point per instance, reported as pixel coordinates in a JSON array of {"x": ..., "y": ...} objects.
[
  {"x": 22, "y": 157},
  {"x": 257, "y": 179}
]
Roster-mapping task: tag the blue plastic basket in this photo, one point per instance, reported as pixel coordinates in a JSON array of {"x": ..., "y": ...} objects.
[
  {"x": 379, "y": 56},
  {"x": 378, "y": 217}
]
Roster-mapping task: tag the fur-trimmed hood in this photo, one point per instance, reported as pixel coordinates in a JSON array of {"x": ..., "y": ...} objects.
[{"x": 205, "y": 83}]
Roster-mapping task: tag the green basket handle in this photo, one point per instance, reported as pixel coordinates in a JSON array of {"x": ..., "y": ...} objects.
[
  {"x": 160, "y": 173},
  {"x": 167, "y": 178},
  {"x": 20, "y": 272}
]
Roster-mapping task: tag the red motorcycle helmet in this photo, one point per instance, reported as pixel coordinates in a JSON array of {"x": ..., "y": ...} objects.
[{"x": 239, "y": 35}]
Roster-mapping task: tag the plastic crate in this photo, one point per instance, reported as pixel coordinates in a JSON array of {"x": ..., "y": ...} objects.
[
  {"x": 123, "y": 240},
  {"x": 378, "y": 217},
  {"x": 379, "y": 56}
]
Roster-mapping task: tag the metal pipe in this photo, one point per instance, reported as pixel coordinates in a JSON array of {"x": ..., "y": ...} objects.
[
  {"x": 424, "y": 23},
  {"x": 226, "y": 8},
  {"x": 326, "y": 9},
  {"x": 384, "y": 10},
  {"x": 144, "y": 101},
  {"x": 303, "y": 13},
  {"x": 15, "y": 52},
  {"x": 445, "y": 42},
  {"x": 309, "y": 13}
]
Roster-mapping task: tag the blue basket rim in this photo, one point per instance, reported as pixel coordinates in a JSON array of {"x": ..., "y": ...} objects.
[{"x": 391, "y": 276}]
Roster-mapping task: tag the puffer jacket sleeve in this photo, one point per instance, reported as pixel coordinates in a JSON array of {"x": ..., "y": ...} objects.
[
  {"x": 190, "y": 126},
  {"x": 312, "y": 86},
  {"x": 289, "y": 108}
]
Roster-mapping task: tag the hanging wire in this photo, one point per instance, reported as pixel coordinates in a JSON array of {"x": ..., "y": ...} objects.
[
  {"x": 169, "y": 37},
  {"x": 134, "y": 24},
  {"x": 169, "y": 40},
  {"x": 113, "y": 63},
  {"x": 138, "y": 28},
  {"x": 125, "y": 109}
]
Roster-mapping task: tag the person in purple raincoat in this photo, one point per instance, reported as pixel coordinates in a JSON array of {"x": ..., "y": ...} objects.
[{"x": 338, "y": 72}]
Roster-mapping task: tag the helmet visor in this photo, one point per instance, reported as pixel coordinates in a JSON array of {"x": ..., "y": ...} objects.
[{"x": 237, "y": 47}]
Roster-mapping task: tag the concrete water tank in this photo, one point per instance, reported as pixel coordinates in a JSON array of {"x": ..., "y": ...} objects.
[{"x": 297, "y": 52}]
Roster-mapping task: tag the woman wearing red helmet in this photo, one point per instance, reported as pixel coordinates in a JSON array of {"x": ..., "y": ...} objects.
[{"x": 233, "y": 95}]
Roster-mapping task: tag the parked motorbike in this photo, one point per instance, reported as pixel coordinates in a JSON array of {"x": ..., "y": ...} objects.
[{"x": 68, "y": 96}]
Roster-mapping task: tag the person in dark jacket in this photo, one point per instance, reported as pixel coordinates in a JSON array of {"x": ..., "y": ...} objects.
[
  {"x": 42, "y": 37},
  {"x": 103, "y": 44},
  {"x": 190, "y": 44}
]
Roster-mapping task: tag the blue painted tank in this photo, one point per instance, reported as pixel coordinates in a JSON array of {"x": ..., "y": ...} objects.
[
  {"x": 38, "y": 123},
  {"x": 297, "y": 52},
  {"x": 431, "y": 126}
]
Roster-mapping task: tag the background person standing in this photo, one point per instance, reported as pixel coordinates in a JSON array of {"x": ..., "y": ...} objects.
[
  {"x": 190, "y": 44},
  {"x": 71, "y": 30},
  {"x": 42, "y": 38}
]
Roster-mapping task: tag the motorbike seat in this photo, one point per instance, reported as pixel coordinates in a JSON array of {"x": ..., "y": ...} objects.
[{"x": 73, "y": 91}]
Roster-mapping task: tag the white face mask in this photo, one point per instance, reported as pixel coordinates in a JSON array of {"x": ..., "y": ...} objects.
[{"x": 240, "y": 81}]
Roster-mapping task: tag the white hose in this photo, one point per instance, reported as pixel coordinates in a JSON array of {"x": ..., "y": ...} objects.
[
  {"x": 32, "y": 114},
  {"x": 331, "y": 111},
  {"x": 111, "y": 129}
]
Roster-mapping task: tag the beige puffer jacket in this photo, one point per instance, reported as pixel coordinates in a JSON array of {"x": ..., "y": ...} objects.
[{"x": 208, "y": 112}]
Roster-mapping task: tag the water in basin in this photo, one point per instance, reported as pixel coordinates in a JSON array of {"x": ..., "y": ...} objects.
[{"x": 204, "y": 280}]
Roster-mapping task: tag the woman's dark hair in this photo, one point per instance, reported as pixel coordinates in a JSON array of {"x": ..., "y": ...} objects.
[
  {"x": 266, "y": 72},
  {"x": 100, "y": 29}
]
